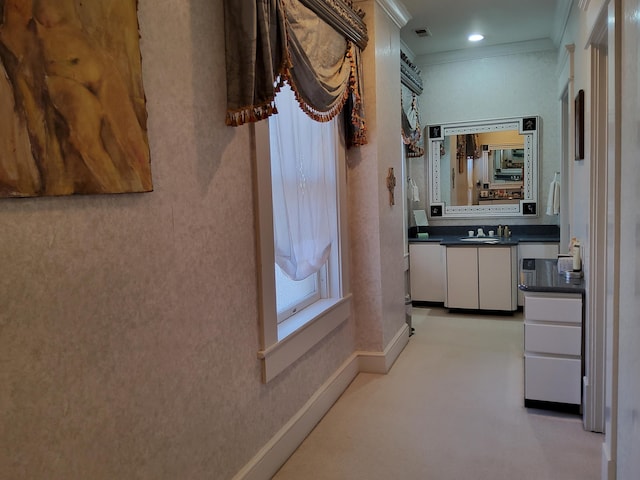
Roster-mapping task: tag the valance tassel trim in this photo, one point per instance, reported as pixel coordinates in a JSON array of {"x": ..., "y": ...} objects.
[
  {"x": 285, "y": 47},
  {"x": 250, "y": 114},
  {"x": 313, "y": 113}
]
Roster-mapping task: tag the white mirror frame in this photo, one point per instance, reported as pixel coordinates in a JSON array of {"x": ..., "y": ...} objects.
[{"x": 528, "y": 126}]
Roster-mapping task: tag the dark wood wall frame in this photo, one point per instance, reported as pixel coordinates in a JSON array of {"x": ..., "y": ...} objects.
[{"x": 579, "y": 134}]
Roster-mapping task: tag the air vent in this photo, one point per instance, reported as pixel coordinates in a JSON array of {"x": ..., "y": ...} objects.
[{"x": 423, "y": 32}]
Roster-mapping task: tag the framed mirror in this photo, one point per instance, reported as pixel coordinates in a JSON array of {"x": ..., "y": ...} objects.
[{"x": 486, "y": 168}]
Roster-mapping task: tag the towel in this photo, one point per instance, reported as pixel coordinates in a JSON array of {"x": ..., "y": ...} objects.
[
  {"x": 553, "y": 200},
  {"x": 556, "y": 199},
  {"x": 414, "y": 191}
]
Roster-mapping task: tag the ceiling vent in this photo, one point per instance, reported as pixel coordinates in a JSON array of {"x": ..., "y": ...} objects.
[{"x": 423, "y": 32}]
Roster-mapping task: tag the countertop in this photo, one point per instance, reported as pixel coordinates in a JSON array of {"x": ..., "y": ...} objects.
[
  {"x": 541, "y": 275},
  {"x": 453, "y": 235}
]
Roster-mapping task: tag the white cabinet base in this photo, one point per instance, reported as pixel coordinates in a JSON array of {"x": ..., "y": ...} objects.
[
  {"x": 426, "y": 272},
  {"x": 552, "y": 379},
  {"x": 553, "y": 351},
  {"x": 481, "y": 278}
]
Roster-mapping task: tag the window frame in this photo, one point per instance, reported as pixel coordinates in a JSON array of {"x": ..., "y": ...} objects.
[
  {"x": 320, "y": 292},
  {"x": 283, "y": 343}
]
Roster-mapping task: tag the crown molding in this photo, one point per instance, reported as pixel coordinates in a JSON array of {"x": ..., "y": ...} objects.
[
  {"x": 563, "y": 13},
  {"x": 396, "y": 11},
  {"x": 541, "y": 45}
]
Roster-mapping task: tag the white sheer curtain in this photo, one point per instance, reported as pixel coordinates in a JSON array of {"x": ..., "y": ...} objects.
[{"x": 303, "y": 158}]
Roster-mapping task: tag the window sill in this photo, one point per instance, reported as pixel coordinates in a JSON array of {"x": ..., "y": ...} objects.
[{"x": 299, "y": 333}]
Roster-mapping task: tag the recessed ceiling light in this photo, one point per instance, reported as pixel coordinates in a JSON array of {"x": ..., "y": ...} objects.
[{"x": 476, "y": 37}]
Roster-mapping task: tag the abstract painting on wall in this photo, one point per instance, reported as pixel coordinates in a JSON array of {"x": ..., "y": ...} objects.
[{"x": 72, "y": 105}]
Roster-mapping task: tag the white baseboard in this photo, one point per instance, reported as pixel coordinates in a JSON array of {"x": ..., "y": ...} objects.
[
  {"x": 272, "y": 456},
  {"x": 381, "y": 362},
  {"x": 275, "y": 453},
  {"x": 608, "y": 467}
]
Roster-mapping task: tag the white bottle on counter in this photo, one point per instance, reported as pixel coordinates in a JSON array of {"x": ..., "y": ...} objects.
[{"x": 577, "y": 261}]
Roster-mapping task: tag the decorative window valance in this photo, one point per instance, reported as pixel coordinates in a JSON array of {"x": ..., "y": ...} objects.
[
  {"x": 410, "y": 75},
  {"x": 411, "y": 130},
  {"x": 314, "y": 45}
]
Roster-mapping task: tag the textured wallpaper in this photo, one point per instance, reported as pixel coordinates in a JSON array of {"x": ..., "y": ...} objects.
[
  {"x": 376, "y": 228},
  {"x": 129, "y": 323}
]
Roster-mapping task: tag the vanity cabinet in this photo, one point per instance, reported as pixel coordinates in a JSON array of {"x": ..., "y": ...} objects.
[
  {"x": 553, "y": 347},
  {"x": 426, "y": 272},
  {"x": 481, "y": 277}
]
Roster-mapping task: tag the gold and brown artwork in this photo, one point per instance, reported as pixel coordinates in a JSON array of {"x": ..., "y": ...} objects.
[{"x": 72, "y": 106}]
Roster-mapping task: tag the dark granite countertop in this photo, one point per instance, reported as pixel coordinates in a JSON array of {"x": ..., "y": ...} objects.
[
  {"x": 453, "y": 235},
  {"x": 541, "y": 275},
  {"x": 486, "y": 241}
]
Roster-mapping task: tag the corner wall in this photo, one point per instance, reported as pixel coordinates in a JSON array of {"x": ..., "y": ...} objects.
[
  {"x": 129, "y": 323},
  {"x": 376, "y": 227}
]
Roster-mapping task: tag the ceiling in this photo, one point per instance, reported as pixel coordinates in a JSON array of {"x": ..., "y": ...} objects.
[{"x": 501, "y": 22}]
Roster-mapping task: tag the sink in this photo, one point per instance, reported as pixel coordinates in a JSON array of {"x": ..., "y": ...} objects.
[{"x": 491, "y": 240}]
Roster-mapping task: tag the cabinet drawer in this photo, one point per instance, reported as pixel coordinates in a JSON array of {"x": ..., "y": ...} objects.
[
  {"x": 549, "y": 308},
  {"x": 558, "y": 339},
  {"x": 552, "y": 379}
]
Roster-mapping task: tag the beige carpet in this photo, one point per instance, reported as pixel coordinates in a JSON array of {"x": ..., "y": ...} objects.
[{"x": 450, "y": 409}]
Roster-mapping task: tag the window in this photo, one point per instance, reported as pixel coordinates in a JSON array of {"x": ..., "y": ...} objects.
[
  {"x": 303, "y": 190},
  {"x": 300, "y": 182},
  {"x": 292, "y": 296}
]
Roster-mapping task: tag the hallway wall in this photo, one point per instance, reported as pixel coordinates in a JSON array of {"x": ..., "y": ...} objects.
[
  {"x": 629, "y": 334},
  {"x": 129, "y": 323},
  {"x": 623, "y": 223},
  {"x": 376, "y": 227}
]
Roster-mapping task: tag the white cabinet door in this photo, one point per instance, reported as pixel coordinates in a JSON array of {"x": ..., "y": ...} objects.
[
  {"x": 481, "y": 278},
  {"x": 462, "y": 277},
  {"x": 496, "y": 278},
  {"x": 426, "y": 272}
]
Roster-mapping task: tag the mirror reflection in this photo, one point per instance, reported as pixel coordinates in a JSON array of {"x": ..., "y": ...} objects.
[
  {"x": 476, "y": 167},
  {"x": 506, "y": 164}
]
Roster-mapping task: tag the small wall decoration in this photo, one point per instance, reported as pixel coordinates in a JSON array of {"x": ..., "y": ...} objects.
[
  {"x": 435, "y": 131},
  {"x": 72, "y": 105},
  {"x": 391, "y": 185},
  {"x": 529, "y": 208},
  {"x": 529, "y": 124},
  {"x": 579, "y": 105}
]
